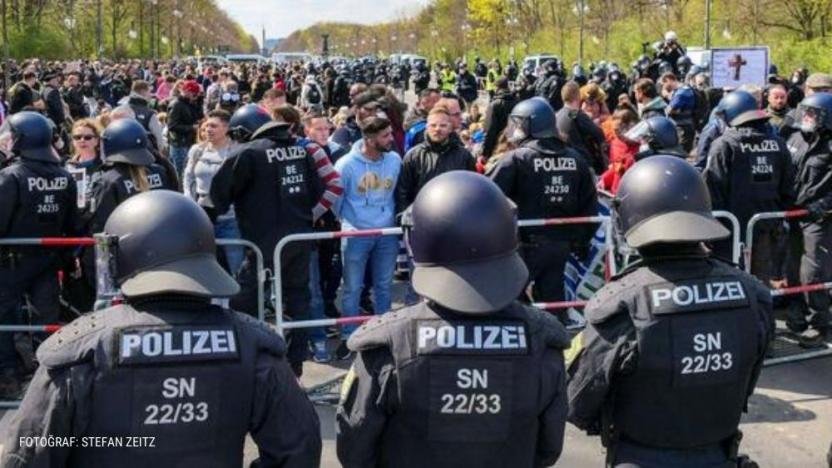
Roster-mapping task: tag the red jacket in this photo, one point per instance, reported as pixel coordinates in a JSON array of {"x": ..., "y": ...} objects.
[{"x": 621, "y": 158}]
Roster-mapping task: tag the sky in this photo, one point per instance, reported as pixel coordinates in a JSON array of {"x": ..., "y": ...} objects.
[{"x": 281, "y": 17}]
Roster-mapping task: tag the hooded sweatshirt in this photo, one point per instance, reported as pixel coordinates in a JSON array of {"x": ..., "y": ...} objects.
[{"x": 368, "y": 201}]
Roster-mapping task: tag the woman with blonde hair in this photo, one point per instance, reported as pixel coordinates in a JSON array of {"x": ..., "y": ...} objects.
[{"x": 594, "y": 103}]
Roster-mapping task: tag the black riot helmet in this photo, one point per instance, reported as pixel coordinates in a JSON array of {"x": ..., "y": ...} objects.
[
  {"x": 814, "y": 113},
  {"x": 246, "y": 120},
  {"x": 149, "y": 261},
  {"x": 683, "y": 65},
  {"x": 462, "y": 233},
  {"x": 31, "y": 136},
  {"x": 551, "y": 66},
  {"x": 663, "y": 199},
  {"x": 531, "y": 119},
  {"x": 656, "y": 135},
  {"x": 740, "y": 107},
  {"x": 578, "y": 75},
  {"x": 125, "y": 141}
]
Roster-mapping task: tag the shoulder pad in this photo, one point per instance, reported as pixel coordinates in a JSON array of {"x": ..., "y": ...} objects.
[
  {"x": 75, "y": 342},
  {"x": 267, "y": 339},
  {"x": 549, "y": 328},
  {"x": 377, "y": 332},
  {"x": 605, "y": 303}
]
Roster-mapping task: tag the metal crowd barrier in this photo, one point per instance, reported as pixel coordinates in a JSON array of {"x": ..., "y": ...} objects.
[
  {"x": 281, "y": 325},
  {"x": 752, "y": 223}
]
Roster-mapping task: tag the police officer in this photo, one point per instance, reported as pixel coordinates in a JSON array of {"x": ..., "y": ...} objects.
[
  {"x": 546, "y": 179},
  {"x": 184, "y": 379},
  {"x": 750, "y": 171},
  {"x": 674, "y": 345},
  {"x": 128, "y": 170},
  {"x": 469, "y": 376},
  {"x": 39, "y": 199},
  {"x": 656, "y": 135},
  {"x": 549, "y": 85},
  {"x": 811, "y": 149},
  {"x": 272, "y": 182}
]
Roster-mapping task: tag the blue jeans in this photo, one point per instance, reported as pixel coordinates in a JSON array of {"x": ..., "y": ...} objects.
[
  {"x": 226, "y": 228},
  {"x": 316, "y": 299},
  {"x": 357, "y": 252},
  {"x": 179, "y": 156}
]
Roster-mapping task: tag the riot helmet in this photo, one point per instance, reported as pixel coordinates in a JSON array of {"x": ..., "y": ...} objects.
[
  {"x": 150, "y": 261},
  {"x": 550, "y": 66},
  {"x": 655, "y": 135},
  {"x": 814, "y": 113},
  {"x": 683, "y": 64},
  {"x": 125, "y": 141},
  {"x": 665, "y": 67},
  {"x": 663, "y": 199},
  {"x": 531, "y": 119},
  {"x": 30, "y": 135},
  {"x": 740, "y": 107},
  {"x": 462, "y": 233},
  {"x": 246, "y": 120}
]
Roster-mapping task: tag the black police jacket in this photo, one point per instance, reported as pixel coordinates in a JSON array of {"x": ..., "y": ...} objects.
[
  {"x": 433, "y": 388},
  {"x": 38, "y": 199},
  {"x": 426, "y": 161},
  {"x": 496, "y": 120},
  {"x": 181, "y": 382},
  {"x": 549, "y": 87},
  {"x": 671, "y": 353},
  {"x": 748, "y": 172},
  {"x": 582, "y": 134},
  {"x": 273, "y": 185},
  {"x": 813, "y": 159},
  {"x": 115, "y": 186},
  {"x": 546, "y": 179}
]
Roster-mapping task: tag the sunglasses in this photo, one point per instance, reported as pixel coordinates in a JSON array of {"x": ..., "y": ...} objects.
[{"x": 83, "y": 137}]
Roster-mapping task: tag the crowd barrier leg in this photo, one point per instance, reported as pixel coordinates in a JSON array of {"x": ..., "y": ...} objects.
[{"x": 752, "y": 223}]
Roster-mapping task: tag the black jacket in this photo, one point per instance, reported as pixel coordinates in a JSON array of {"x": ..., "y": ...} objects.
[
  {"x": 273, "y": 184},
  {"x": 54, "y": 106},
  {"x": 348, "y": 134},
  {"x": 749, "y": 172},
  {"x": 546, "y": 179},
  {"x": 582, "y": 134},
  {"x": 813, "y": 159},
  {"x": 548, "y": 87},
  {"x": 426, "y": 161},
  {"x": 20, "y": 96},
  {"x": 39, "y": 200},
  {"x": 114, "y": 187},
  {"x": 466, "y": 87},
  {"x": 181, "y": 120},
  {"x": 74, "y": 98},
  {"x": 496, "y": 119}
]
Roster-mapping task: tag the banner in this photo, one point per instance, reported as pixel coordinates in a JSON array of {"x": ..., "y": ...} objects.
[{"x": 732, "y": 67}]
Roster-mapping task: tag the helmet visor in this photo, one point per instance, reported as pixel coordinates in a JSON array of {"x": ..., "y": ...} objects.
[
  {"x": 638, "y": 133},
  {"x": 517, "y": 129},
  {"x": 810, "y": 119}
]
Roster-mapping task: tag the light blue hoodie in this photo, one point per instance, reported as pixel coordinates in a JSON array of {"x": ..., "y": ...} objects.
[{"x": 369, "y": 187}]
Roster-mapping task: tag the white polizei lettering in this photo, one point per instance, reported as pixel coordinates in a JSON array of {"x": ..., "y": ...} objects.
[
  {"x": 42, "y": 184},
  {"x": 765, "y": 146},
  {"x": 219, "y": 341},
  {"x": 509, "y": 337},
  {"x": 491, "y": 338},
  {"x": 445, "y": 337},
  {"x": 426, "y": 334},
  {"x": 130, "y": 343},
  {"x": 232, "y": 344},
  {"x": 660, "y": 295},
  {"x": 169, "y": 349},
  {"x": 522, "y": 337},
  {"x": 735, "y": 290},
  {"x": 555, "y": 164},
  {"x": 678, "y": 298},
  {"x": 152, "y": 344},
  {"x": 460, "y": 342},
  {"x": 154, "y": 180},
  {"x": 285, "y": 154},
  {"x": 201, "y": 340},
  {"x": 478, "y": 337}
]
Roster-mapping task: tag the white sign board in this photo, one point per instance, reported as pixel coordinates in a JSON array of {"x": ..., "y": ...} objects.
[
  {"x": 81, "y": 181},
  {"x": 733, "y": 67}
]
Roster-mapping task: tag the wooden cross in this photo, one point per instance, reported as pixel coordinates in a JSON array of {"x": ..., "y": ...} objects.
[{"x": 736, "y": 63}]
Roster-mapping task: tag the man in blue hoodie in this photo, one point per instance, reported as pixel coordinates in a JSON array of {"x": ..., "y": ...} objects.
[{"x": 369, "y": 174}]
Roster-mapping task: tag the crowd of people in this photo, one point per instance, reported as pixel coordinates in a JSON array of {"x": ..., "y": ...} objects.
[
  {"x": 366, "y": 155},
  {"x": 266, "y": 151}
]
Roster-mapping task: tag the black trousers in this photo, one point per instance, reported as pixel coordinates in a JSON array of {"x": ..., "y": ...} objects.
[
  {"x": 546, "y": 261},
  {"x": 810, "y": 261}
]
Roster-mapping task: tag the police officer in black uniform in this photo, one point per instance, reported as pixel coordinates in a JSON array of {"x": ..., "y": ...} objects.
[
  {"x": 750, "y": 171},
  {"x": 656, "y": 135},
  {"x": 468, "y": 377},
  {"x": 546, "y": 179},
  {"x": 272, "y": 182},
  {"x": 128, "y": 170},
  {"x": 180, "y": 380},
  {"x": 811, "y": 149},
  {"x": 673, "y": 345},
  {"x": 549, "y": 85},
  {"x": 38, "y": 198}
]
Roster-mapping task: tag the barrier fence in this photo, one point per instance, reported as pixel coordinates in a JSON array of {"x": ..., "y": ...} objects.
[{"x": 281, "y": 325}]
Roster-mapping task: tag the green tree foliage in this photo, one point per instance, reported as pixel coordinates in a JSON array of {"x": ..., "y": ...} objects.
[
  {"x": 797, "y": 31},
  {"x": 63, "y": 29}
]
